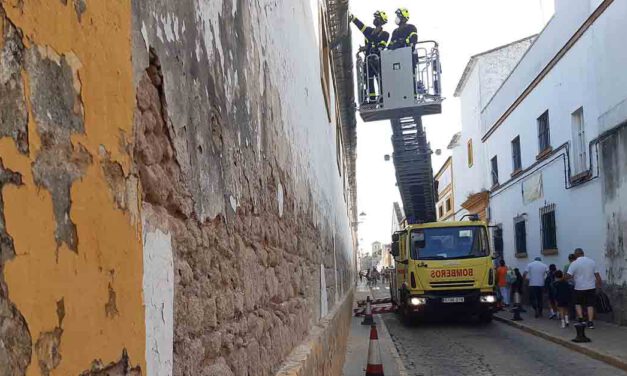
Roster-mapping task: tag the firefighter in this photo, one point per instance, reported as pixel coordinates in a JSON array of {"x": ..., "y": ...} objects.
[
  {"x": 376, "y": 40},
  {"x": 406, "y": 35}
]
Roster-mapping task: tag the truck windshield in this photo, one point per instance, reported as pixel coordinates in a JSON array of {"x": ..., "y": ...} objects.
[{"x": 448, "y": 243}]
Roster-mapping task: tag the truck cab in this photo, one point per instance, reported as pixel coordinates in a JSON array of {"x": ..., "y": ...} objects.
[{"x": 443, "y": 268}]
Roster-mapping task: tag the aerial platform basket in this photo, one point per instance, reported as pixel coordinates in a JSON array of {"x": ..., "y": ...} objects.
[{"x": 407, "y": 83}]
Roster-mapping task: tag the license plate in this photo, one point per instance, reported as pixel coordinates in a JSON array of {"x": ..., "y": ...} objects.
[{"x": 453, "y": 300}]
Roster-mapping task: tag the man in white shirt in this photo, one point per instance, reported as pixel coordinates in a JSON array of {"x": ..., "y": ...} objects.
[
  {"x": 536, "y": 273},
  {"x": 587, "y": 278}
]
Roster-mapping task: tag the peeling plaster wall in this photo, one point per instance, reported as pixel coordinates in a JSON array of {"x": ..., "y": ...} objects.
[
  {"x": 614, "y": 162},
  {"x": 158, "y": 298},
  {"x": 71, "y": 251},
  {"x": 243, "y": 176}
]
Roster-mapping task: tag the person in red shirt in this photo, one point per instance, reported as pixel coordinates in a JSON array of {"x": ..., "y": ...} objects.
[{"x": 501, "y": 282}]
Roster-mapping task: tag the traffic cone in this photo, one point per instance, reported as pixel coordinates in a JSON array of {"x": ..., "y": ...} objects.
[
  {"x": 374, "y": 366},
  {"x": 368, "y": 316}
]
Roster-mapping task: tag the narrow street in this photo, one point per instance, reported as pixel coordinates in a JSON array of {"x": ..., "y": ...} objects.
[{"x": 469, "y": 348}]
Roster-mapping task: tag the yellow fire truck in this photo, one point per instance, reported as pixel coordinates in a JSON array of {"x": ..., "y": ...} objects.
[
  {"x": 440, "y": 266},
  {"x": 443, "y": 268}
]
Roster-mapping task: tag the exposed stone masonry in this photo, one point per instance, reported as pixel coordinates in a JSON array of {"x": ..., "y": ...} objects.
[
  {"x": 13, "y": 112},
  {"x": 246, "y": 285},
  {"x": 15, "y": 338}
]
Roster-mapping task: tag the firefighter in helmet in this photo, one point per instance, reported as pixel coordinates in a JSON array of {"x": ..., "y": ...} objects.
[
  {"x": 376, "y": 40},
  {"x": 405, "y": 35}
]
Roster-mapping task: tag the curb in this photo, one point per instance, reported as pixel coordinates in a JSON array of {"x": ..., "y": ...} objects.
[
  {"x": 615, "y": 362},
  {"x": 392, "y": 347}
]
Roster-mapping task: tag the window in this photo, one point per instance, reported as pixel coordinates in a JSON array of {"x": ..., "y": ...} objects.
[
  {"x": 448, "y": 204},
  {"x": 470, "y": 159},
  {"x": 325, "y": 63},
  {"x": 548, "y": 230},
  {"x": 495, "y": 171},
  {"x": 339, "y": 150},
  {"x": 497, "y": 240},
  {"x": 579, "y": 142},
  {"x": 449, "y": 243},
  {"x": 520, "y": 231},
  {"x": 441, "y": 210},
  {"x": 544, "y": 134},
  {"x": 516, "y": 160}
]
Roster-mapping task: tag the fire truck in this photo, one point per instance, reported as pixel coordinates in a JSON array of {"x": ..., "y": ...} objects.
[
  {"x": 443, "y": 268},
  {"x": 440, "y": 267}
]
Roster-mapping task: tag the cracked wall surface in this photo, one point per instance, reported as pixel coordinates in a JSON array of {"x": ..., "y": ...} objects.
[
  {"x": 614, "y": 163},
  {"x": 237, "y": 162},
  {"x": 171, "y": 200},
  {"x": 71, "y": 299}
]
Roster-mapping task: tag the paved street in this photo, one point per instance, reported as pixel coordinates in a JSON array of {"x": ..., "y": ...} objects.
[{"x": 468, "y": 348}]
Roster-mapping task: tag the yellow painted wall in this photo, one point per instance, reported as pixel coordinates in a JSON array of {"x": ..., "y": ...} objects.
[{"x": 109, "y": 243}]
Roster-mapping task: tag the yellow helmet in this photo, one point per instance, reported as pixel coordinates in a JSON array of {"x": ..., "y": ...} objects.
[
  {"x": 382, "y": 16},
  {"x": 403, "y": 13}
]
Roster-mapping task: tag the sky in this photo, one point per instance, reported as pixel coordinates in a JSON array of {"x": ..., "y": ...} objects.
[{"x": 462, "y": 28}]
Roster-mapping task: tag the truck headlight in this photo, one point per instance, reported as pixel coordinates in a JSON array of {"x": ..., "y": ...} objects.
[
  {"x": 488, "y": 299},
  {"x": 417, "y": 301}
]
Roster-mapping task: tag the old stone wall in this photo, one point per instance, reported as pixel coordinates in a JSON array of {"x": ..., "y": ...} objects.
[
  {"x": 237, "y": 159},
  {"x": 614, "y": 166},
  {"x": 70, "y": 245},
  {"x": 174, "y": 197}
]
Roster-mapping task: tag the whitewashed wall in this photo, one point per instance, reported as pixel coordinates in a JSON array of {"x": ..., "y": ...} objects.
[
  {"x": 560, "y": 28},
  {"x": 158, "y": 285},
  {"x": 592, "y": 74},
  {"x": 488, "y": 72}
]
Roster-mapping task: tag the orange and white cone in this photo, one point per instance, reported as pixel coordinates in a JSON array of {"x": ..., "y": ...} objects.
[
  {"x": 374, "y": 366},
  {"x": 368, "y": 314}
]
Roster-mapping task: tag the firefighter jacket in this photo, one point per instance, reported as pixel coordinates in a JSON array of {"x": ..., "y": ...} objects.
[
  {"x": 376, "y": 40},
  {"x": 404, "y": 36}
]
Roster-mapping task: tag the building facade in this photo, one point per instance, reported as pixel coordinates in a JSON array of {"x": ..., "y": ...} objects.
[
  {"x": 553, "y": 144},
  {"x": 177, "y": 187},
  {"x": 482, "y": 77},
  {"x": 446, "y": 198}
]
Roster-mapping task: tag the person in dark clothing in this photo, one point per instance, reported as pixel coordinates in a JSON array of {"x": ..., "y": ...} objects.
[
  {"x": 563, "y": 296},
  {"x": 517, "y": 287},
  {"x": 548, "y": 285},
  {"x": 406, "y": 34},
  {"x": 376, "y": 40}
]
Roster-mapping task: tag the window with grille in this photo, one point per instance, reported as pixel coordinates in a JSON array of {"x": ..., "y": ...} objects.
[
  {"x": 580, "y": 154},
  {"x": 520, "y": 231},
  {"x": 495, "y": 171},
  {"x": 549, "y": 230},
  {"x": 448, "y": 204},
  {"x": 516, "y": 159},
  {"x": 544, "y": 134}
]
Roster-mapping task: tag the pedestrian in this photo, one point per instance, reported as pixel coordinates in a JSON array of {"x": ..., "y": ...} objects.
[
  {"x": 548, "y": 285},
  {"x": 587, "y": 278},
  {"x": 571, "y": 258},
  {"x": 502, "y": 283},
  {"x": 361, "y": 276},
  {"x": 375, "y": 276},
  {"x": 517, "y": 287},
  {"x": 536, "y": 272},
  {"x": 563, "y": 296}
]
